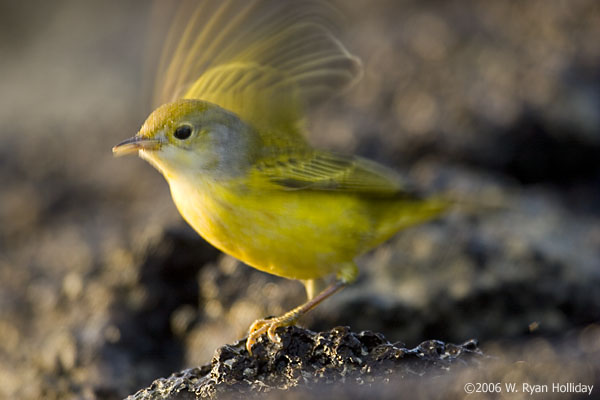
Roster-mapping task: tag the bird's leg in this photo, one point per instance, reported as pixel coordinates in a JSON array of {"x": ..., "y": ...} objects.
[{"x": 289, "y": 318}]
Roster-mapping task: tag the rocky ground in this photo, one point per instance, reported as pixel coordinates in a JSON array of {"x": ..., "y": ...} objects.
[
  {"x": 334, "y": 363},
  {"x": 104, "y": 289},
  {"x": 344, "y": 364}
]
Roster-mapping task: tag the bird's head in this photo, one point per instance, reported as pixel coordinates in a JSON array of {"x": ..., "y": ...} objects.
[{"x": 193, "y": 136}]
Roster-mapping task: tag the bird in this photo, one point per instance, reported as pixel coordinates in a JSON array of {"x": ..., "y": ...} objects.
[{"x": 229, "y": 135}]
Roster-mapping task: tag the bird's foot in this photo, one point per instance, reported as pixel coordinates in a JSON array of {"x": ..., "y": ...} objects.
[{"x": 269, "y": 326}]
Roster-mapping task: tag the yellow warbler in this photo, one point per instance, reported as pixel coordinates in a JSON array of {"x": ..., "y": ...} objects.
[{"x": 236, "y": 77}]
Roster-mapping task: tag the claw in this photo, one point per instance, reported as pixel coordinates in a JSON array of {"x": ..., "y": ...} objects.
[
  {"x": 256, "y": 330},
  {"x": 268, "y": 326},
  {"x": 274, "y": 337}
]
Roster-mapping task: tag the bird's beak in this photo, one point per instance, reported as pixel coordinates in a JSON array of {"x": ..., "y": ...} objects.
[{"x": 134, "y": 144}]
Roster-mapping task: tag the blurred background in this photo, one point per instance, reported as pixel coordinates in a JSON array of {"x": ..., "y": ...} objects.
[{"x": 104, "y": 288}]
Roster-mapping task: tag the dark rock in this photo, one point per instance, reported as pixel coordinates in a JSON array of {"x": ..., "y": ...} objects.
[{"x": 306, "y": 361}]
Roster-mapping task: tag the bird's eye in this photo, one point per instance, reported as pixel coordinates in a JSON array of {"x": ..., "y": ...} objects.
[{"x": 183, "y": 132}]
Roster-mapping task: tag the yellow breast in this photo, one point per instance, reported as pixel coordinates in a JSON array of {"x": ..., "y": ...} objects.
[{"x": 299, "y": 235}]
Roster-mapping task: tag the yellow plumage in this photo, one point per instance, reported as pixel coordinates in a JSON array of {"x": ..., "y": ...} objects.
[
  {"x": 236, "y": 77},
  {"x": 287, "y": 228}
]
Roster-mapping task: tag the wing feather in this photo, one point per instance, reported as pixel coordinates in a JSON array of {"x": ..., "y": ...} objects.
[
  {"x": 265, "y": 60},
  {"x": 324, "y": 171}
]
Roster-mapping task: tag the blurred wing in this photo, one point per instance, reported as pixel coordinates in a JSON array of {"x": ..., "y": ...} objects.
[
  {"x": 262, "y": 59},
  {"x": 331, "y": 172}
]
